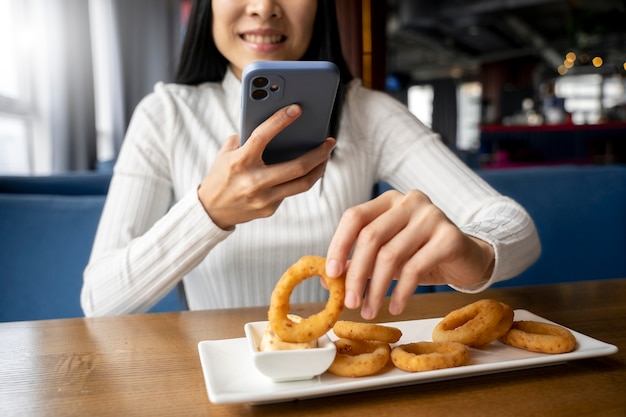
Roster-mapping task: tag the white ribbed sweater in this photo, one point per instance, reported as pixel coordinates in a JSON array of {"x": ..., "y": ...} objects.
[{"x": 154, "y": 232}]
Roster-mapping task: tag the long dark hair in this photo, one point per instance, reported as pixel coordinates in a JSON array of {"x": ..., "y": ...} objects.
[{"x": 201, "y": 61}]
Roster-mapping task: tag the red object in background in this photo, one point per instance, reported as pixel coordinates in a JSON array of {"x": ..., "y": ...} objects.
[{"x": 185, "y": 9}]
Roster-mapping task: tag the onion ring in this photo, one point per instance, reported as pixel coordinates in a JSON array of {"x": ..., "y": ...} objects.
[
  {"x": 358, "y": 358},
  {"x": 505, "y": 322},
  {"x": 271, "y": 342},
  {"x": 474, "y": 325},
  {"x": 540, "y": 337},
  {"x": 428, "y": 356},
  {"x": 366, "y": 331},
  {"x": 316, "y": 325}
]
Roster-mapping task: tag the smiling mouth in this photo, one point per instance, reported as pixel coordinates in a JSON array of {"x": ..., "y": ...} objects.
[{"x": 263, "y": 39}]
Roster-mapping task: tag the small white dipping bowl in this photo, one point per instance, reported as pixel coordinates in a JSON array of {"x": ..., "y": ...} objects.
[{"x": 289, "y": 365}]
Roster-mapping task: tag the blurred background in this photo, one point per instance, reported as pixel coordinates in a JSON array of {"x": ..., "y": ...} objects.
[
  {"x": 496, "y": 78},
  {"x": 532, "y": 81}
]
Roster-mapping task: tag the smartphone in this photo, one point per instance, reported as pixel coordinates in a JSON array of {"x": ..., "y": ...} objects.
[{"x": 270, "y": 85}]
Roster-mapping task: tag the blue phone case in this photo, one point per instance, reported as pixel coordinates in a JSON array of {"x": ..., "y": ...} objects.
[{"x": 270, "y": 85}]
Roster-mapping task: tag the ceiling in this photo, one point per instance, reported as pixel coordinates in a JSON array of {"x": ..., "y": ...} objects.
[{"x": 432, "y": 39}]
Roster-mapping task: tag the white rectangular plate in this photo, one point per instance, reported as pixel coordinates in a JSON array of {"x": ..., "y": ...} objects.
[{"x": 231, "y": 377}]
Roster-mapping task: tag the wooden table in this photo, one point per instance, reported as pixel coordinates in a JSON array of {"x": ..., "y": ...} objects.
[{"x": 149, "y": 364}]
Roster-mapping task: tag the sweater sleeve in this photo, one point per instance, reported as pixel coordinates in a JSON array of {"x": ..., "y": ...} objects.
[
  {"x": 411, "y": 156},
  {"x": 145, "y": 242}
]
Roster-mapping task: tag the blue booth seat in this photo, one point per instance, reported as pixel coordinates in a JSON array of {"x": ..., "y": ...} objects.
[
  {"x": 47, "y": 227},
  {"x": 580, "y": 215},
  {"x": 86, "y": 183},
  {"x": 46, "y": 244}
]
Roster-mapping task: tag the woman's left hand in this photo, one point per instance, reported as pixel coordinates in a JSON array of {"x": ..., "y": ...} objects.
[{"x": 404, "y": 237}]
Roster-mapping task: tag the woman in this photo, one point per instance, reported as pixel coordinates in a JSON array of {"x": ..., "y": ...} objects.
[{"x": 187, "y": 202}]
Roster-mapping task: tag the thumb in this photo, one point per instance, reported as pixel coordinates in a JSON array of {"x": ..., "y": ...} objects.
[{"x": 231, "y": 144}]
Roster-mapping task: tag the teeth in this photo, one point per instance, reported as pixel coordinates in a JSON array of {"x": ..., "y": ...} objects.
[{"x": 262, "y": 39}]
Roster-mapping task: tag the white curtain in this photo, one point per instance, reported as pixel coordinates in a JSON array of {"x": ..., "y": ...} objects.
[
  {"x": 87, "y": 64},
  {"x": 53, "y": 36},
  {"x": 136, "y": 44},
  {"x": 72, "y": 99}
]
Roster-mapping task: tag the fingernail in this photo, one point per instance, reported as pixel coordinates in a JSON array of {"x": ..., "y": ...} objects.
[
  {"x": 367, "y": 313},
  {"x": 394, "y": 309},
  {"x": 351, "y": 300},
  {"x": 293, "y": 110},
  {"x": 332, "y": 268}
]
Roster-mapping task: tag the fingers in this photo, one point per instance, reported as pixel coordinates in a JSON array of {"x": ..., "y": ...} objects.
[
  {"x": 414, "y": 272},
  {"x": 366, "y": 229},
  {"x": 278, "y": 181},
  {"x": 290, "y": 177},
  {"x": 390, "y": 263},
  {"x": 231, "y": 144},
  {"x": 395, "y": 236},
  {"x": 349, "y": 228},
  {"x": 267, "y": 130},
  {"x": 377, "y": 257},
  {"x": 298, "y": 175}
]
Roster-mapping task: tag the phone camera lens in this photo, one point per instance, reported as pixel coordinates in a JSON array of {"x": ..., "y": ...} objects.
[
  {"x": 259, "y": 94},
  {"x": 260, "y": 82}
]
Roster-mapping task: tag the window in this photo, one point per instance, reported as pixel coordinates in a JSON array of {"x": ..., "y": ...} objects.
[
  {"x": 420, "y": 103},
  {"x": 582, "y": 96},
  {"x": 9, "y": 71},
  {"x": 16, "y": 111},
  {"x": 469, "y": 96},
  {"x": 49, "y": 50},
  {"x": 14, "y": 146},
  {"x": 589, "y": 97},
  {"x": 613, "y": 92}
]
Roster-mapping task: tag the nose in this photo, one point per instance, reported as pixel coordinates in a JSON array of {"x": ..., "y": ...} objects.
[{"x": 264, "y": 9}]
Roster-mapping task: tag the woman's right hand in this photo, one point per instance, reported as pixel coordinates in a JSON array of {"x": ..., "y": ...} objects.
[{"x": 240, "y": 187}]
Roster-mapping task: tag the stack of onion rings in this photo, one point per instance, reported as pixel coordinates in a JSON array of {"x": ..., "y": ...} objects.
[
  {"x": 316, "y": 325},
  {"x": 366, "y": 331},
  {"x": 540, "y": 337},
  {"x": 475, "y": 324},
  {"x": 358, "y": 358},
  {"x": 428, "y": 356},
  {"x": 363, "y": 348}
]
